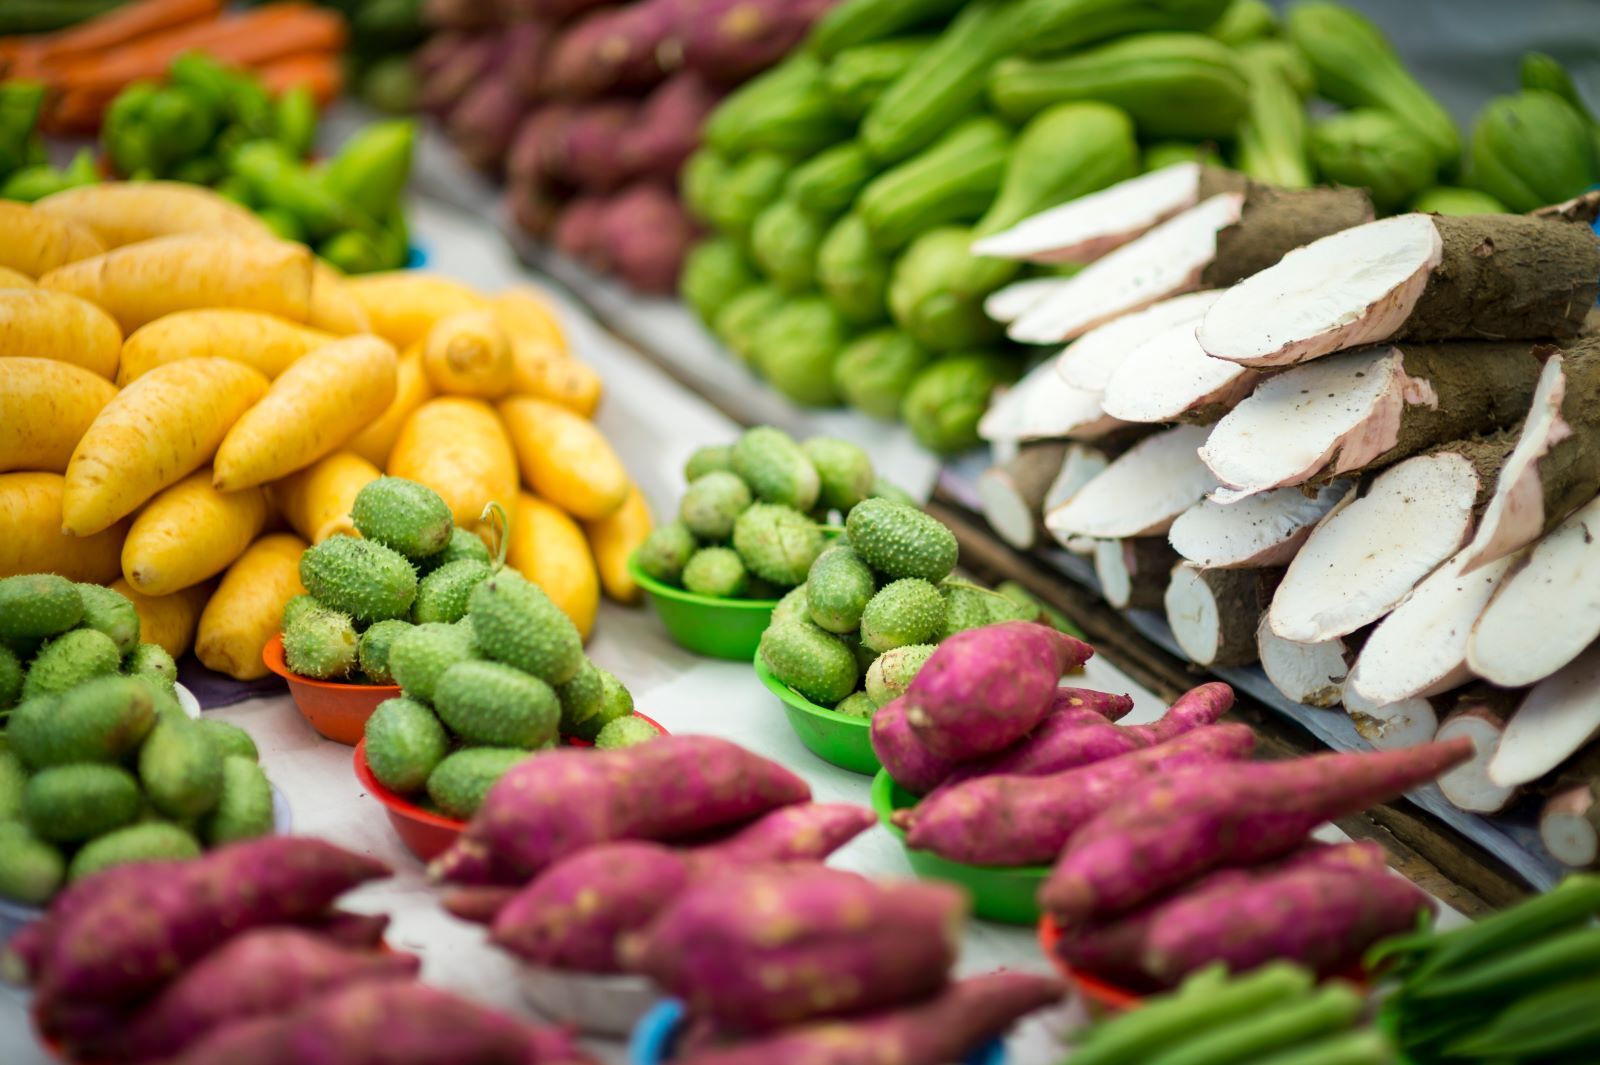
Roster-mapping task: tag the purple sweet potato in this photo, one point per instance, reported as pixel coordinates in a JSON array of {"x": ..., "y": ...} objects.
[
  {"x": 1166, "y": 833},
  {"x": 564, "y": 801},
  {"x": 616, "y": 50},
  {"x": 26, "y": 955},
  {"x": 457, "y": 14},
  {"x": 731, "y": 41},
  {"x": 534, "y": 147},
  {"x": 1107, "y": 705},
  {"x": 944, "y": 1028},
  {"x": 125, "y": 943},
  {"x": 438, "y": 50},
  {"x": 262, "y": 973},
  {"x": 984, "y": 689},
  {"x": 666, "y": 130},
  {"x": 456, "y": 76},
  {"x": 477, "y": 905},
  {"x": 804, "y": 832},
  {"x": 1027, "y": 820},
  {"x": 586, "y": 150},
  {"x": 561, "y": 10},
  {"x": 647, "y": 234},
  {"x": 759, "y": 949},
  {"x": 363, "y": 931},
  {"x": 580, "y": 230},
  {"x": 910, "y": 764},
  {"x": 484, "y": 123},
  {"x": 1194, "y": 709},
  {"x": 533, "y": 208}
]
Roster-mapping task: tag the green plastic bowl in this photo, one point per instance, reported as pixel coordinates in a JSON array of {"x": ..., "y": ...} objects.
[
  {"x": 833, "y": 737},
  {"x": 999, "y": 893},
  {"x": 720, "y": 628}
]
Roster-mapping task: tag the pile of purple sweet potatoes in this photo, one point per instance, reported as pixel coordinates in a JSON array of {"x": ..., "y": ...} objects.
[
  {"x": 589, "y": 109},
  {"x": 241, "y": 956}
]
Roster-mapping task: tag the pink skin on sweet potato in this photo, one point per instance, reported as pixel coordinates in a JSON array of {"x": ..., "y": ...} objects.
[
  {"x": 614, "y": 51},
  {"x": 667, "y": 129},
  {"x": 944, "y": 1028},
  {"x": 759, "y": 949},
  {"x": 453, "y": 79},
  {"x": 984, "y": 689},
  {"x": 437, "y": 51},
  {"x": 124, "y": 943},
  {"x": 1166, "y": 833},
  {"x": 477, "y": 905},
  {"x": 731, "y": 41},
  {"x": 560, "y": 10},
  {"x": 647, "y": 234},
  {"x": 1027, "y": 820},
  {"x": 534, "y": 145},
  {"x": 533, "y": 209},
  {"x": 671, "y": 788},
  {"x": 361, "y": 931},
  {"x": 910, "y": 764},
  {"x": 587, "y": 150},
  {"x": 25, "y": 955},
  {"x": 580, "y": 230},
  {"x": 804, "y": 832},
  {"x": 1108, "y": 705}
]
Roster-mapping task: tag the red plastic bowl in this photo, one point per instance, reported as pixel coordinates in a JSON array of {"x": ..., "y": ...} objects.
[
  {"x": 426, "y": 834},
  {"x": 1102, "y": 997},
  {"x": 338, "y": 712}
]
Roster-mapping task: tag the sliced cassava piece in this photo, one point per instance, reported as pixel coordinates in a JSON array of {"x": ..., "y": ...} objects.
[
  {"x": 1559, "y": 717},
  {"x": 1084, "y": 462},
  {"x": 1089, "y": 361},
  {"x": 1412, "y": 277},
  {"x": 1390, "y": 726},
  {"x": 1308, "y": 673},
  {"x": 1012, "y": 494},
  {"x": 1262, "y": 530},
  {"x": 1170, "y": 378},
  {"x": 1467, "y": 786},
  {"x": 1042, "y": 406},
  {"x": 1141, "y": 492},
  {"x": 1547, "y": 611},
  {"x": 1214, "y": 244},
  {"x": 1368, "y": 554},
  {"x": 1214, "y": 613},
  {"x": 1365, "y": 409},
  {"x": 1555, "y": 467},
  {"x": 1134, "y": 573},
  {"x": 1008, "y": 304},
  {"x": 1569, "y": 825},
  {"x": 1083, "y": 230},
  {"x": 1421, "y": 648}
]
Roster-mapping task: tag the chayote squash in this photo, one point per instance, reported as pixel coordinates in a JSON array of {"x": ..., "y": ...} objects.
[
  {"x": 827, "y": 183},
  {"x": 700, "y": 183},
  {"x": 937, "y": 289},
  {"x": 1376, "y": 151},
  {"x": 948, "y": 398},
  {"x": 1447, "y": 199},
  {"x": 954, "y": 181},
  {"x": 1045, "y": 27},
  {"x": 1064, "y": 152},
  {"x": 857, "y": 76},
  {"x": 795, "y": 349},
  {"x": 855, "y": 23},
  {"x": 1165, "y": 153},
  {"x": 853, "y": 273},
  {"x": 1244, "y": 21},
  {"x": 739, "y": 319},
  {"x": 783, "y": 242},
  {"x": 1532, "y": 149},
  {"x": 754, "y": 182},
  {"x": 714, "y": 272},
  {"x": 874, "y": 371},
  {"x": 787, "y": 109}
]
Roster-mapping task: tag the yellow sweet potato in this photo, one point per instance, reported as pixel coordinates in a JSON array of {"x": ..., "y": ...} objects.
[
  {"x": 190, "y": 532},
  {"x": 243, "y": 614},
  {"x": 467, "y": 354},
  {"x": 156, "y": 432},
  {"x": 411, "y": 390},
  {"x": 126, "y": 212},
  {"x": 614, "y": 539},
  {"x": 549, "y": 549},
  {"x": 30, "y": 514},
  {"x": 333, "y": 308},
  {"x": 34, "y": 243},
  {"x": 139, "y": 283},
  {"x": 257, "y": 339},
  {"x": 538, "y": 371},
  {"x": 168, "y": 620},
  {"x": 402, "y": 305},
  {"x": 459, "y": 448},
  {"x": 10, "y": 278},
  {"x": 313, "y": 407},
  {"x": 524, "y": 314},
  {"x": 45, "y": 407},
  {"x": 316, "y": 501},
  {"x": 565, "y": 459},
  {"x": 36, "y": 323}
]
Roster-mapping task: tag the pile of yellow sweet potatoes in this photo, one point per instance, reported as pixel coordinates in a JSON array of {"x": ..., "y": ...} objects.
[{"x": 186, "y": 402}]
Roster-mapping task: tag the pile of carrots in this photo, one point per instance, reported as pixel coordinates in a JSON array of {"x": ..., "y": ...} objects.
[{"x": 84, "y": 67}]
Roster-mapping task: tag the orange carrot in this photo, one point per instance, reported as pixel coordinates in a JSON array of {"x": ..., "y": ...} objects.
[
  {"x": 318, "y": 71},
  {"x": 122, "y": 26}
]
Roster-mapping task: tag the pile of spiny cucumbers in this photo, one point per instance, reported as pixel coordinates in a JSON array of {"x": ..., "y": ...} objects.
[
  {"x": 1518, "y": 988},
  {"x": 99, "y": 764}
]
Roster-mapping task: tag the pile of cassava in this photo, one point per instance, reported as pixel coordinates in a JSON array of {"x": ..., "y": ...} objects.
[
  {"x": 1363, "y": 453},
  {"x": 243, "y": 956},
  {"x": 99, "y": 763},
  {"x": 173, "y": 381}
]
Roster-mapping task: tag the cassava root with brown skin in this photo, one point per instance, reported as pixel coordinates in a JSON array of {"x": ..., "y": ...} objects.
[
  {"x": 1013, "y": 492},
  {"x": 1214, "y": 613},
  {"x": 1569, "y": 825},
  {"x": 1134, "y": 573}
]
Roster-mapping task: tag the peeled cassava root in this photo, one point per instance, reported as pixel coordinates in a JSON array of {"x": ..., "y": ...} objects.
[
  {"x": 1042, "y": 406},
  {"x": 1392, "y": 726},
  {"x": 1013, "y": 493},
  {"x": 1559, "y": 717},
  {"x": 1170, "y": 378},
  {"x": 1141, "y": 493},
  {"x": 1569, "y": 825},
  {"x": 1414, "y": 277},
  {"x": 1214, "y": 613},
  {"x": 1263, "y": 530},
  {"x": 1216, "y": 243},
  {"x": 1134, "y": 573},
  {"x": 1468, "y": 786},
  {"x": 1090, "y": 361},
  {"x": 1309, "y": 673}
]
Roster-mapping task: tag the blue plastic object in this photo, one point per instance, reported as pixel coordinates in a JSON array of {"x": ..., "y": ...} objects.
[{"x": 416, "y": 257}]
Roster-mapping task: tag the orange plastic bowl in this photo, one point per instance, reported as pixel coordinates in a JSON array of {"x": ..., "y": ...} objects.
[
  {"x": 1101, "y": 997},
  {"x": 426, "y": 834},
  {"x": 338, "y": 712}
]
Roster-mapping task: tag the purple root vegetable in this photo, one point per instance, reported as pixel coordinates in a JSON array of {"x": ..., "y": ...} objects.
[
  {"x": 534, "y": 148},
  {"x": 437, "y": 51},
  {"x": 944, "y": 1028},
  {"x": 1166, "y": 833},
  {"x": 580, "y": 230},
  {"x": 1109, "y": 706},
  {"x": 126, "y": 942},
  {"x": 262, "y": 973},
  {"x": 483, "y": 125},
  {"x": 614, "y": 51},
  {"x": 477, "y": 905},
  {"x": 910, "y": 764},
  {"x": 671, "y": 788},
  {"x": 359, "y": 931},
  {"x": 984, "y": 689},
  {"x": 1027, "y": 820},
  {"x": 667, "y": 129},
  {"x": 449, "y": 84},
  {"x": 588, "y": 150},
  {"x": 25, "y": 956},
  {"x": 759, "y": 949},
  {"x": 731, "y": 41},
  {"x": 533, "y": 209},
  {"x": 647, "y": 235},
  {"x": 804, "y": 832}
]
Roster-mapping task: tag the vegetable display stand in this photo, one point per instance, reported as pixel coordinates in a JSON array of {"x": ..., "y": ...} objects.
[
  {"x": 718, "y": 628},
  {"x": 839, "y": 739},
  {"x": 607, "y": 1005},
  {"x": 1102, "y": 998},
  {"x": 338, "y": 712},
  {"x": 999, "y": 893}
]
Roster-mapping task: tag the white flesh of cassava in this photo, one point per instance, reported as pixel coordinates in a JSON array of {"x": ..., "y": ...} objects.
[
  {"x": 1042, "y": 406},
  {"x": 1170, "y": 375},
  {"x": 1568, "y": 828},
  {"x": 1348, "y": 289},
  {"x": 1084, "y": 229},
  {"x": 1333, "y": 416},
  {"x": 1545, "y": 613},
  {"x": 1089, "y": 361},
  {"x": 1309, "y": 673},
  {"x": 1005, "y": 510},
  {"x": 1193, "y": 614},
  {"x": 1468, "y": 786},
  {"x": 1421, "y": 648},
  {"x": 1365, "y": 557},
  {"x": 1082, "y": 465},
  {"x": 1263, "y": 530},
  {"x": 1114, "y": 568},
  {"x": 1558, "y": 718},
  {"x": 1167, "y": 261},
  {"x": 1408, "y": 723},
  {"x": 1515, "y": 515},
  {"x": 1008, "y": 304},
  {"x": 1141, "y": 492}
]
